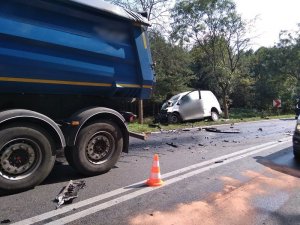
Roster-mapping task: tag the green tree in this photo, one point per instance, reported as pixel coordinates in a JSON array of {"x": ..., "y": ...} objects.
[
  {"x": 215, "y": 27},
  {"x": 173, "y": 73},
  {"x": 243, "y": 93},
  {"x": 157, "y": 10},
  {"x": 275, "y": 73}
]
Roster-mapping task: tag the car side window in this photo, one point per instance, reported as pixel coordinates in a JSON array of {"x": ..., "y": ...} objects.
[
  {"x": 186, "y": 99},
  {"x": 194, "y": 95}
]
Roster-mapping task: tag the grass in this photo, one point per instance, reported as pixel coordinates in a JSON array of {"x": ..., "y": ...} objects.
[{"x": 234, "y": 118}]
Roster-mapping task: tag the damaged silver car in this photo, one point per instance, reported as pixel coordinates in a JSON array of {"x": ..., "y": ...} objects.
[{"x": 191, "y": 105}]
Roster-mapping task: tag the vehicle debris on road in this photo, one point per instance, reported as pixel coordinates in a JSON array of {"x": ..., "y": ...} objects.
[
  {"x": 186, "y": 129},
  {"x": 212, "y": 129},
  {"x": 172, "y": 145},
  {"x": 69, "y": 192},
  {"x": 289, "y": 133},
  {"x": 260, "y": 129}
]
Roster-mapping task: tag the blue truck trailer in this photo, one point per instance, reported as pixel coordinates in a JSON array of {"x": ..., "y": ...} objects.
[{"x": 64, "y": 66}]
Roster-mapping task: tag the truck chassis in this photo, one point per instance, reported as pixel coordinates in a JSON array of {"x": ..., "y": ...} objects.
[{"x": 92, "y": 140}]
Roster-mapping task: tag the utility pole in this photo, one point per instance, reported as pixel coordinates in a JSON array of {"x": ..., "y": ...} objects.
[{"x": 141, "y": 111}]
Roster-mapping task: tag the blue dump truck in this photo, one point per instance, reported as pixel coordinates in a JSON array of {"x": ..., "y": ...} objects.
[{"x": 64, "y": 67}]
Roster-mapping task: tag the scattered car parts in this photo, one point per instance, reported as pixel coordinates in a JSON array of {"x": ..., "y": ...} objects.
[
  {"x": 69, "y": 192},
  {"x": 212, "y": 129},
  {"x": 172, "y": 145}
]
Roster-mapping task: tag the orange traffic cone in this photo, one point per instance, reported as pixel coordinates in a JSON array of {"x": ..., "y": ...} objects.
[{"x": 155, "y": 177}]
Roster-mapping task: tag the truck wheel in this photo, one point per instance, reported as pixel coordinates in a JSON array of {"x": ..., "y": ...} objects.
[
  {"x": 214, "y": 116},
  {"x": 174, "y": 118},
  {"x": 98, "y": 148},
  {"x": 26, "y": 156}
]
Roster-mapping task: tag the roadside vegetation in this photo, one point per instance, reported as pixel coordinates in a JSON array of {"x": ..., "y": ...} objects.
[{"x": 205, "y": 44}]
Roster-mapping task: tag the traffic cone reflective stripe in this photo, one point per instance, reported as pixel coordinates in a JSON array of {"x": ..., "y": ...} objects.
[
  {"x": 155, "y": 170},
  {"x": 155, "y": 164},
  {"x": 155, "y": 177}
]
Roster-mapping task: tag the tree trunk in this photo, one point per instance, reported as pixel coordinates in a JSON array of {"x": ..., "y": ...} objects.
[
  {"x": 141, "y": 111},
  {"x": 224, "y": 97}
]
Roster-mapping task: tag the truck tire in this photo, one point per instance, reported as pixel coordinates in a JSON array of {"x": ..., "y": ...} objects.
[
  {"x": 26, "y": 156},
  {"x": 98, "y": 148}
]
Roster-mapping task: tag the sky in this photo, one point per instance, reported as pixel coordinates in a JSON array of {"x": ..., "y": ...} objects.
[{"x": 272, "y": 17}]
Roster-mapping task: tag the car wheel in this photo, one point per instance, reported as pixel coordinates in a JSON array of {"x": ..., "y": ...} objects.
[
  {"x": 214, "y": 116},
  {"x": 98, "y": 148},
  {"x": 174, "y": 118},
  {"x": 26, "y": 156}
]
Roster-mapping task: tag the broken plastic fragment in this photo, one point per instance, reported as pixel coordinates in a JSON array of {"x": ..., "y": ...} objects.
[
  {"x": 172, "y": 144},
  {"x": 212, "y": 129},
  {"x": 69, "y": 192}
]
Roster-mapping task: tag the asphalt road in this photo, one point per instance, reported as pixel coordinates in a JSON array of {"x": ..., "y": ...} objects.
[{"x": 209, "y": 178}]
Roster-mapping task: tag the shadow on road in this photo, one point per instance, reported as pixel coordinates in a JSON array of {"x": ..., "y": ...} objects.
[
  {"x": 59, "y": 173},
  {"x": 288, "y": 119},
  {"x": 282, "y": 161},
  {"x": 137, "y": 186},
  {"x": 279, "y": 217},
  {"x": 62, "y": 173}
]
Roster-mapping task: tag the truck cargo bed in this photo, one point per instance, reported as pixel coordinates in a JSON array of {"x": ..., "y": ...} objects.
[{"x": 72, "y": 47}]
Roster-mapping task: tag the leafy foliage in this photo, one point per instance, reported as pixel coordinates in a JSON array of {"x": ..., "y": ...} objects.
[
  {"x": 157, "y": 10},
  {"x": 173, "y": 73},
  {"x": 214, "y": 27},
  {"x": 209, "y": 49}
]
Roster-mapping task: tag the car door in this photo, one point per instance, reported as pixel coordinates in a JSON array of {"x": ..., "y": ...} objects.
[
  {"x": 207, "y": 102},
  {"x": 191, "y": 106}
]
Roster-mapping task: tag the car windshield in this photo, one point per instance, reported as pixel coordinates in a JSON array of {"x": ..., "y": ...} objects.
[
  {"x": 174, "y": 98},
  {"x": 171, "y": 102}
]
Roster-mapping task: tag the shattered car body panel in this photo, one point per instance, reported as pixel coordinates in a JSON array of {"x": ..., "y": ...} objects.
[
  {"x": 192, "y": 105},
  {"x": 69, "y": 192}
]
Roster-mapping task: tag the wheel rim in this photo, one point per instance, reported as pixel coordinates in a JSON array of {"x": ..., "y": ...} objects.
[
  {"x": 19, "y": 158},
  {"x": 174, "y": 119},
  {"x": 214, "y": 116},
  {"x": 100, "y": 147}
]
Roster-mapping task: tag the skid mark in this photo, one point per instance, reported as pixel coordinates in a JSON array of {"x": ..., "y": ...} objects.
[{"x": 233, "y": 205}]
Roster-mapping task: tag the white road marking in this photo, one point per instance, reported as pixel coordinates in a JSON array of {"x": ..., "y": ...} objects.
[
  {"x": 131, "y": 187},
  {"x": 135, "y": 194}
]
